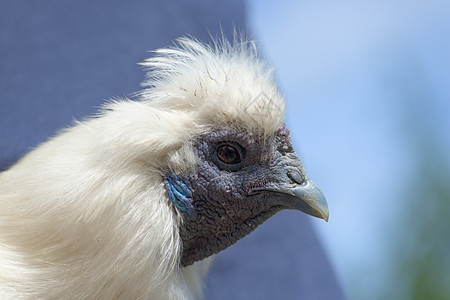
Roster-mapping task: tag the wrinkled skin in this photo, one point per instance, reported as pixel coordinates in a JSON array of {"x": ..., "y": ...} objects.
[{"x": 230, "y": 201}]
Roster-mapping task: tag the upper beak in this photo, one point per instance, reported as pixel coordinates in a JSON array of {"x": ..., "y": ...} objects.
[
  {"x": 292, "y": 189},
  {"x": 306, "y": 197}
]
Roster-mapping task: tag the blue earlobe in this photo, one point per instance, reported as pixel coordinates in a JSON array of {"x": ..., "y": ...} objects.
[{"x": 179, "y": 194}]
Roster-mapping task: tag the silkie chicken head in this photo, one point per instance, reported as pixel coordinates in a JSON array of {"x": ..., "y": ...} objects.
[{"x": 119, "y": 205}]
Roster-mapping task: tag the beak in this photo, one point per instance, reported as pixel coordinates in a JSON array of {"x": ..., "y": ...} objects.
[
  {"x": 306, "y": 197},
  {"x": 292, "y": 189}
]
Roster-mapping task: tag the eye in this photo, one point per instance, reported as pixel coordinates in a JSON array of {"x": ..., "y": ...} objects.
[{"x": 229, "y": 154}]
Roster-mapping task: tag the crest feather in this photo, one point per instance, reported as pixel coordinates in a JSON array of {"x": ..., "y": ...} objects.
[{"x": 222, "y": 83}]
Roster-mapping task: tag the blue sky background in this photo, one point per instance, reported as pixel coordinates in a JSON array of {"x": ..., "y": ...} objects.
[{"x": 362, "y": 80}]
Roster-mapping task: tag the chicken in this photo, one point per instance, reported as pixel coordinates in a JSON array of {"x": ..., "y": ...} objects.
[{"x": 131, "y": 203}]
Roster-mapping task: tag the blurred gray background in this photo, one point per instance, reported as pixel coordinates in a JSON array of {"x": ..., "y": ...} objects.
[{"x": 61, "y": 59}]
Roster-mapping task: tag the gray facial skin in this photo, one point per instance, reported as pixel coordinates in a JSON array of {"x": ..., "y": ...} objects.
[{"x": 230, "y": 200}]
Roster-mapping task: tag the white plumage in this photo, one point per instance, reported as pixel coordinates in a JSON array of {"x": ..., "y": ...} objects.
[{"x": 86, "y": 215}]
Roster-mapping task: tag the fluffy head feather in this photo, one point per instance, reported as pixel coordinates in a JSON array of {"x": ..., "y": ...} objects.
[
  {"x": 87, "y": 214},
  {"x": 216, "y": 84}
]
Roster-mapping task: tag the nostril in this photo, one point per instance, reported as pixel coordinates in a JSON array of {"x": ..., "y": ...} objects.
[{"x": 296, "y": 177}]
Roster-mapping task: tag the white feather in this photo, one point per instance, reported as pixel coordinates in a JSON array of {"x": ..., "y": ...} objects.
[{"x": 85, "y": 215}]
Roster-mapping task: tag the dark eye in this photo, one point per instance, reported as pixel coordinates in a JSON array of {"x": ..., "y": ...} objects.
[{"x": 229, "y": 154}]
